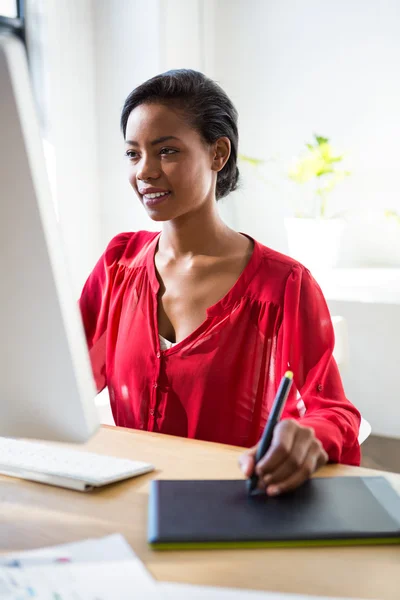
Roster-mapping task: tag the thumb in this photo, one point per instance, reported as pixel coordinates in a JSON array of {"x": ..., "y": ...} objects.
[{"x": 247, "y": 461}]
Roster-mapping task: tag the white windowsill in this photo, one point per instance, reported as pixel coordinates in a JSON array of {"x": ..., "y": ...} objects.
[{"x": 371, "y": 285}]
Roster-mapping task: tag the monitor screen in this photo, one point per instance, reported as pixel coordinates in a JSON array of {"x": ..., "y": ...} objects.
[{"x": 47, "y": 389}]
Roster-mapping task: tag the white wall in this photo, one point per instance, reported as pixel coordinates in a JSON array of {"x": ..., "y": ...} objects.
[
  {"x": 294, "y": 68},
  {"x": 371, "y": 379},
  {"x": 61, "y": 43},
  {"x": 127, "y": 52}
]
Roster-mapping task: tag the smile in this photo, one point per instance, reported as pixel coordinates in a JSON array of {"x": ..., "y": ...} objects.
[{"x": 156, "y": 195}]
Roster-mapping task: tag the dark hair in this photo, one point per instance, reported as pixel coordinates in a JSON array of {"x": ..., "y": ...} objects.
[{"x": 207, "y": 107}]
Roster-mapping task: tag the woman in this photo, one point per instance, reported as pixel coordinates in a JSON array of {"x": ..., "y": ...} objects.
[{"x": 192, "y": 329}]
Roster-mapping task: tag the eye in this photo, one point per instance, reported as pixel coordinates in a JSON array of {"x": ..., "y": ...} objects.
[
  {"x": 131, "y": 154},
  {"x": 167, "y": 151}
]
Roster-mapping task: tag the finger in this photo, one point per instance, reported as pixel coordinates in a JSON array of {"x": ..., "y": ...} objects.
[
  {"x": 281, "y": 446},
  {"x": 300, "y": 449},
  {"x": 322, "y": 459},
  {"x": 247, "y": 462},
  {"x": 315, "y": 458},
  {"x": 296, "y": 479}
]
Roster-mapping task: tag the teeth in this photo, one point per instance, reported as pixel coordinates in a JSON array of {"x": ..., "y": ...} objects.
[{"x": 156, "y": 195}]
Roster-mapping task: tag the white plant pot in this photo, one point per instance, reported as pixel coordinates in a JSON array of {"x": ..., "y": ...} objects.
[{"x": 314, "y": 242}]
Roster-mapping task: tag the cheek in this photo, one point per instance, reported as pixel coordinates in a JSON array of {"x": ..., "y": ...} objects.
[
  {"x": 192, "y": 174},
  {"x": 132, "y": 177}
]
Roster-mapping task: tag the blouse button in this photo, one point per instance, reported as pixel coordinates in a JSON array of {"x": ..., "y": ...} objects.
[
  {"x": 319, "y": 387},
  {"x": 152, "y": 412},
  {"x": 158, "y": 354},
  {"x": 155, "y": 385}
]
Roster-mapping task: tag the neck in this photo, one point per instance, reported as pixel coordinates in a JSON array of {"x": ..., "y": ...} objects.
[{"x": 198, "y": 232}]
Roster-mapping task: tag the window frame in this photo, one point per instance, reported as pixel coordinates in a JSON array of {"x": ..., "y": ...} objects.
[{"x": 15, "y": 25}]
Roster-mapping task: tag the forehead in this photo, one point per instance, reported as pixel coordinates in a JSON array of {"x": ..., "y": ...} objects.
[{"x": 150, "y": 121}]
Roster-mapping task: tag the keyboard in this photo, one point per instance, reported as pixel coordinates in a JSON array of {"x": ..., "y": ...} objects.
[{"x": 64, "y": 467}]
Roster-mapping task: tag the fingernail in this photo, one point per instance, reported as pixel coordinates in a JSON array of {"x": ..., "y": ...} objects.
[{"x": 273, "y": 490}]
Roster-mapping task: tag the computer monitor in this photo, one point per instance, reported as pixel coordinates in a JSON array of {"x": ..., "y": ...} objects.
[{"x": 47, "y": 389}]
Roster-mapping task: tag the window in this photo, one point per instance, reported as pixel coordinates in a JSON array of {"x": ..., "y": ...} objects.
[
  {"x": 38, "y": 57},
  {"x": 12, "y": 16},
  {"x": 31, "y": 31},
  {"x": 9, "y": 9}
]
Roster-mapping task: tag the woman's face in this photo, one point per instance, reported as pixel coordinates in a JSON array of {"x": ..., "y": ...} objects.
[{"x": 171, "y": 168}]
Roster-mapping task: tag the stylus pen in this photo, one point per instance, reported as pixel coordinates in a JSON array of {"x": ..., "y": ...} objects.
[{"x": 274, "y": 416}]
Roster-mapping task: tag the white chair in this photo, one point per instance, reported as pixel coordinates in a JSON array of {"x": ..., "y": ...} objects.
[
  {"x": 341, "y": 355},
  {"x": 102, "y": 402},
  {"x": 364, "y": 431}
]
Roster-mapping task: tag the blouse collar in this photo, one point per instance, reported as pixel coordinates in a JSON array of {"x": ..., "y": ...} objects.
[{"x": 237, "y": 291}]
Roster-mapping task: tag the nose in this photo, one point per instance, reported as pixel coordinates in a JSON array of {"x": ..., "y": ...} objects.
[{"x": 148, "y": 168}]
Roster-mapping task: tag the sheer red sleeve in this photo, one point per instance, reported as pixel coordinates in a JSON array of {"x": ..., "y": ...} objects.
[
  {"x": 306, "y": 344},
  {"x": 94, "y": 304}
]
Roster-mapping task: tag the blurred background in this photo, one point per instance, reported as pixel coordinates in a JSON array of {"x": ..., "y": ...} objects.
[{"x": 317, "y": 88}]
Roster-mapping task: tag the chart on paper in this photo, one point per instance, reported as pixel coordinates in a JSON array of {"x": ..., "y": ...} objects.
[{"x": 88, "y": 581}]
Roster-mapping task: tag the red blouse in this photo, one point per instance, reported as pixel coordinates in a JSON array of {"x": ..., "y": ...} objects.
[{"x": 218, "y": 383}]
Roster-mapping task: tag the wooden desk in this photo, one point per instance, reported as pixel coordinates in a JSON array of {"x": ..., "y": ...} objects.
[{"x": 34, "y": 515}]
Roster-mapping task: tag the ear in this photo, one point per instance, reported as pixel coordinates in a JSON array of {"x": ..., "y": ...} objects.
[{"x": 221, "y": 151}]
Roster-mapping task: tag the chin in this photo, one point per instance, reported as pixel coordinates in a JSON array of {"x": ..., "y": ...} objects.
[
  {"x": 162, "y": 215},
  {"x": 158, "y": 218}
]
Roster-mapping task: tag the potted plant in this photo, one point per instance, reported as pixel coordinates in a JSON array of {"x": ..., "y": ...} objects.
[{"x": 314, "y": 233}]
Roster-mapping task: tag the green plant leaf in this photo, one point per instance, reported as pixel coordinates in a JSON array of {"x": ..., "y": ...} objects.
[
  {"x": 319, "y": 163},
  {"x": 392, "y": 215},
  {"x": 334, "y": 159},
  {"x": 321, "y": 140},
  {"x": 255, "y": 162},
  {"x": 324, "y": 171}
]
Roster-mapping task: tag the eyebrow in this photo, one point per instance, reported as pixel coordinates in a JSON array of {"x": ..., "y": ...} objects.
[{"x": 159, "y": 140}]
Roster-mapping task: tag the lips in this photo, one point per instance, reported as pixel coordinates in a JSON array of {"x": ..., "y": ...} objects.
[
  {"x": 149, "y": 189},
  {"x": 155, "y": 198}
]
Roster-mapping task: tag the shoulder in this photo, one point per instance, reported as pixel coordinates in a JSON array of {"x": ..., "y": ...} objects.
[
  {"x": 279, "y": 265},
  {"x": 125, "y": 247},
  {"x": 278, "y": 261},
  {"x": 276, "y": 272}
]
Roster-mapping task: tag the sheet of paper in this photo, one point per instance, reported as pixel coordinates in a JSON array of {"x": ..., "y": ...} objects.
[
  {"x": 93, "y": 569},
  {"x": 180, "y": 591},
  {"x": 112, "y": 547},
  {"x": 84, "y": 581}
]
